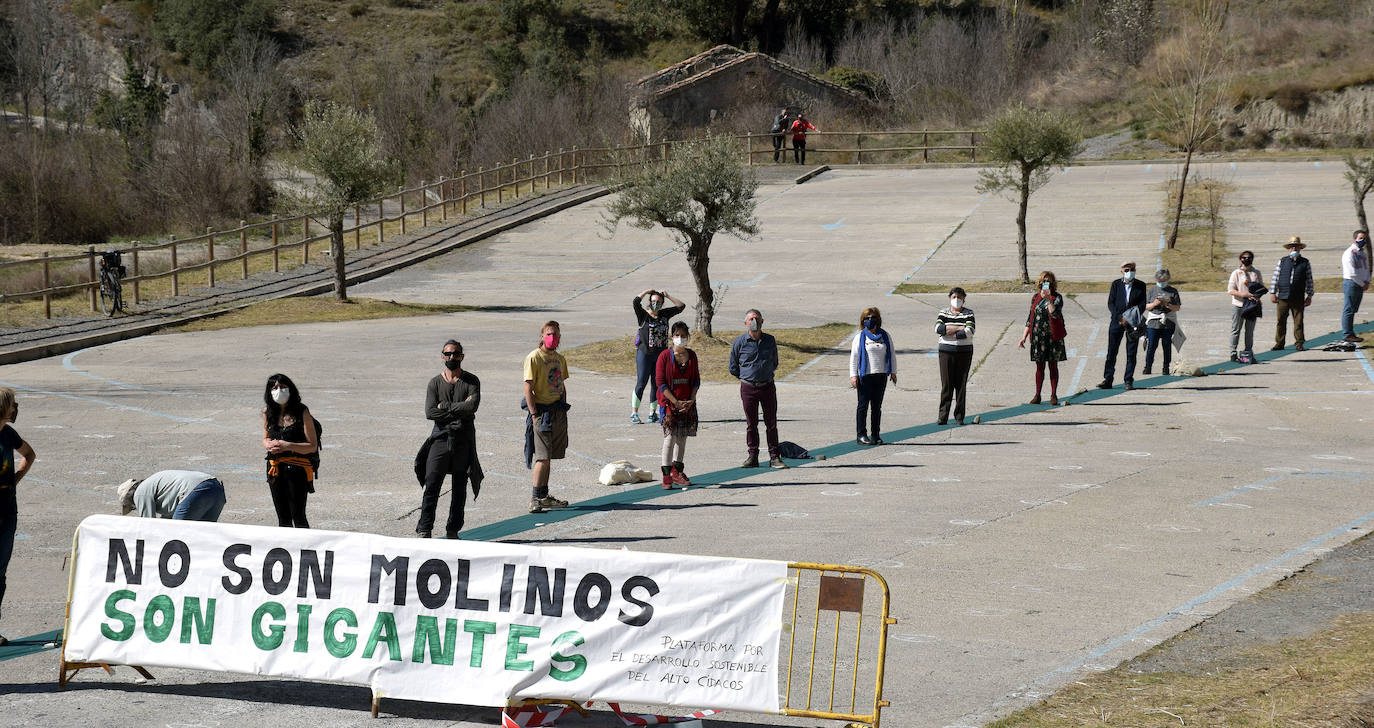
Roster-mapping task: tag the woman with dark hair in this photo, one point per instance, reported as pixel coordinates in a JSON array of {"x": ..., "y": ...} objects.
[
  {"x": 288, "y": 435},
  {"x": 650, "y": 343},
  {"x": 678, "y": 381},
  {"x": 16, "y": 457},
  {"x": 872, "y": 362},
  {"x": 1045, "y": 329}
]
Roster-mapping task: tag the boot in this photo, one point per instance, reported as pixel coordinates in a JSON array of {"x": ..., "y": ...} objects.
[
  {"x": 667, "y": 477},
  {"x": 680, "y": 477}
]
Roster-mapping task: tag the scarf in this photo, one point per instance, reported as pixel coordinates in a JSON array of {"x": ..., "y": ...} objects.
[{"x": 863, "y": 349}]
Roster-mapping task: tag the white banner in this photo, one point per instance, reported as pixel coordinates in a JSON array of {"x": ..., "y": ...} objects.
[{"x": 445, "y": 621}]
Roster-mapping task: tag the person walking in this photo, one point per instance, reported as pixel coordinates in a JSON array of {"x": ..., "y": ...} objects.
[
  {"x": 182, "y": 495},
  {"x": 872, "y": 362},
  {"x": 781, "y": 123},
  {"x": 954, "y": 326},
  {"x": 451, "y": 402},
  {"x": 1125, "y": 310},
  {"x": 1045, "y": 329},
  {"x": 546, "y": 417},
  {"x": 293, "y": 446},
  {"x": 678, "y": 378},
  {"x": 1291, "y": 288},
  {"x": 1354, "y": 282},
  {"x": 753, "y": 360},
  {"x": 1246, "y": 307},
  {"x": 799, "y": 128},
  {"x": 1161, "y": 319},
  {"x": 16, "y": 457},
  {"x": 651, "y": 341}
]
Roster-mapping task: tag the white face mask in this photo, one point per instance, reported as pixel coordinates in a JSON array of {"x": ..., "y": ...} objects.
[
  {"x": 281, "y": 395},
  {"x": 679, "y": 341},
  {"x": 956, "y": 303}
]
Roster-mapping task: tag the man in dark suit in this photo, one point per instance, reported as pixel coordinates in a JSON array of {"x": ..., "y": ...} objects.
[{"x": 1127, "y": 293}]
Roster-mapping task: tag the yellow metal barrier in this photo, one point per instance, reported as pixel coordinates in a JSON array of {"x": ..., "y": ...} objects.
[{"x": 835, "y": 596}]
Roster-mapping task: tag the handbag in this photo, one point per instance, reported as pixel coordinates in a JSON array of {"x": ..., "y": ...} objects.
[{"x": 1057, "y": 330}]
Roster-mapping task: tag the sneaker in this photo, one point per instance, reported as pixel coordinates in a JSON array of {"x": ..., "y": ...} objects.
[
  {"x": 751, "y": 462},
  {"x": 634, "y": 419},
  {"x": 653, "y": 415},
  {"x": 1235, "y": 358},
  {"x": 776, "y": 462},
  {"x": 1352, "y": 339},
  {"x": 536, "y": 505},
  {"x": 549, "y": 502}
]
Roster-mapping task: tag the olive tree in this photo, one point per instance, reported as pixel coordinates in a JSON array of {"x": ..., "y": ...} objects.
[
  {"x": 704, "y": 189},
  {"x": 1359, "y": 172},
  {"x": 340, "y": 148},
  {"x": 1026, "y": 145}
]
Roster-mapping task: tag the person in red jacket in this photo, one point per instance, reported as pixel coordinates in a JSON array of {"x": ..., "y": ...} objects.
[
  {"x": 799, "y": 128},
  {"x": 678, "y": 380}
]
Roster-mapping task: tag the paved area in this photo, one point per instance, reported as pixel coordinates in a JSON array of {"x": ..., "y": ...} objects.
[{"x": 1022, "y": 552}]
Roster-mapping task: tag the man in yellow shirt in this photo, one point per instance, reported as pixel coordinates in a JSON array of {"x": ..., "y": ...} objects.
[{"x": 546, "y": 424}]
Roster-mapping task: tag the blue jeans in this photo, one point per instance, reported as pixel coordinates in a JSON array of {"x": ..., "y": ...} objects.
[
  {"x": 203, "y": 503},
  {"x": 1153, "y": 337},
  {"x": 1353, "y": 295},
  {"x": 645, "y": 364}
]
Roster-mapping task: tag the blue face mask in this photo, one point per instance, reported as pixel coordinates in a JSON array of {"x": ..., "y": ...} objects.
[
  {"x": 871, "y": 324},
  {"x": 1128, "y": 275},
  {"x": 1293, "y": 254}
]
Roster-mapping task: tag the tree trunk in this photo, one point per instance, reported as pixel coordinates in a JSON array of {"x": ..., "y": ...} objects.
[
  {"x": 771, "y": 30},
  {"x": 1359, "y": 211},
  {"x": 698, "y": 259},
  {"x": 737, "y": 22},
  {"x": 336, "y": 251},
  {"x": 1178, "y": 208},
  {"x": 1021, "y": 226}
]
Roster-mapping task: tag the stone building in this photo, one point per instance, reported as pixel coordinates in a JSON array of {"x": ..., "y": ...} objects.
[{"x": 709, "y": 86}]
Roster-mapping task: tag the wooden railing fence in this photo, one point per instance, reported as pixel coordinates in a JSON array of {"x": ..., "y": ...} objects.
[{"x": 208, "y": 254}]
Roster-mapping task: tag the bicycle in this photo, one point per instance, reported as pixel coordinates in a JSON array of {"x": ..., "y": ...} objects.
[{"x": 112, "y": 273}]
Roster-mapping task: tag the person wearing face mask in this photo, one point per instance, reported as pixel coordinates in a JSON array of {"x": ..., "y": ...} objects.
[
  {"x": 651, "y": 342},
  {"x": 288, "y": 435},
  {"x": 16, "y": 457},
  {"x": 753, "y": 360},
  {"x": 451, "y": 402},
  {"x": 1045, "y": 329},
  {"x": 954, "y": 326},
  {"x": 1291, "y": 288},
  {"x": 546, "y": 418},
  {"x": 1355, "y": 281},
  {"x": 678, "y": 381},
  {"x": 1125, "y": 310},
  {"x": 1161, "y": 319},
  {"x": 872, "y": 362},
  {"x": 1246, "y": 307}
]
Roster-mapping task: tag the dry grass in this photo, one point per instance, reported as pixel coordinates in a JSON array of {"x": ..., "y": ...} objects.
[
  {"x": 1006, "y": 286},
  {"x": 316, "y": 309},
  {"x": 795, "y": 348},
  {"x": 1320, "y": 680}
]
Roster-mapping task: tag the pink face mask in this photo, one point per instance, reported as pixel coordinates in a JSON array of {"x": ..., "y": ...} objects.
[{"x": 551, "y": 341}]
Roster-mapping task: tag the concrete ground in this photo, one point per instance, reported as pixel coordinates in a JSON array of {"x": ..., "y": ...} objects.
[{"x": 1022, "y": 552}]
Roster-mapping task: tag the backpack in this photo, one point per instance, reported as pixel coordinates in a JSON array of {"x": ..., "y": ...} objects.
[{"x": 314, "y": 457}]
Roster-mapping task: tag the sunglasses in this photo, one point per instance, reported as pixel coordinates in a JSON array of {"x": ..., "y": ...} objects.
[{"x": 449, "y": 354}]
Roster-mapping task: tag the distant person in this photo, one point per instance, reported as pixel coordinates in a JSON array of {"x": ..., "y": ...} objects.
[
  {"x": 679, "y": 378},
  {"x": 1291, "y": 288},
  {"x": 451, "y": 401},
  {"x": 16, "y": 457},
  {"x": 781, "y": 123},
  {"x": 293, "y": 446},
  {"x": 872, "y": 362},
  {"x": 1246, "y": 307},
  {"x": 1355, "y": 281},
  {"x": 1161, "y": 319},
  {"x": 753, "y": 360},
  {"x": 954, "y": 325},
  {"x": 799, "y": 128},
  {"x": 1125, "y": 312},
  {"x": 1045, "y": 329},
  {"x": 650, "y": 342},
  {"x": 546, "y": 418},
  {"x": 182, "y": 495}
]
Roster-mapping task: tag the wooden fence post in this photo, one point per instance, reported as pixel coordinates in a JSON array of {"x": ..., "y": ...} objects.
[
  {"x": 859, "y": 147},
  {"x": 243, "y": 246},
  {"x": 424, "y": 204},
  {"x": 574, "y": 164},
  {"x": 482, "y": 185},
  {"x": 443, "y": 199},
  {"x": 973, "y": 146},
  {"x": 560, "y": 166},
  {"x": 357, "y": 227},
  {"x": 135, "y": 252},
  {"x": 210, "y": 253},
  {"x": 381, "y": 218},
  {"x": 47, "y": 283},
  {"x": 276, "y": 252},
  {"x": 401, "y": 193},
  {"x": 95, "y": 284},
  {"x": 176, "y": 278},
  {"x": 749, "y": 139},
  {"x": 925, "y": 146},
  {"x": 547, "y": 160},
  {"x": 463, "y": 191},
  {"x": 305, "y": 238}
]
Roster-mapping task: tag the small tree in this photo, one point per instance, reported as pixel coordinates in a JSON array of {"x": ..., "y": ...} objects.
[
  {"x": 1359, "y": 171},
  {"x": 1027, "y": 145},
  {"x": 340, "y": 147},
  {"x": 704, "y": 190}
]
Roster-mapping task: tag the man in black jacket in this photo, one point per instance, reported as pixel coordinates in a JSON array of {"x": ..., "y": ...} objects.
[
  {"x": 451, "y": 402},
  {"x": 781, "y": 123},
  {"x": 1291, "y": 288},
  {"x": 1126, "y": 293}
]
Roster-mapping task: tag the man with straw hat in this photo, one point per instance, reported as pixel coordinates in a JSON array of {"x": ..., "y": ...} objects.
[{"x": 1291, "y": 288}]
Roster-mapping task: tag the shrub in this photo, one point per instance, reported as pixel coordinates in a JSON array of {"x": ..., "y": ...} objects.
[
  {"x": 356, "y": 10},
  {"x": 1257, "y": 138},
  {"x": 1293, "y": 98},
  {"x": 200, "y": 30},
  {"x": 867, "y": 83}
]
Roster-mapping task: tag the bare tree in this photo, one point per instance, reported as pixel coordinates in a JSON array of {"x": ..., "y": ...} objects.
[
  {"x": 1359, "y": 171},
  {"x": 1193, "y": 79},
  {"x": 37, "y": 52},
  {"x": 253, "y": 97}
]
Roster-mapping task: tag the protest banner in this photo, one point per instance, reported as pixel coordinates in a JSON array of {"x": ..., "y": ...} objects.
[{"x": 444, "y": 621}]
